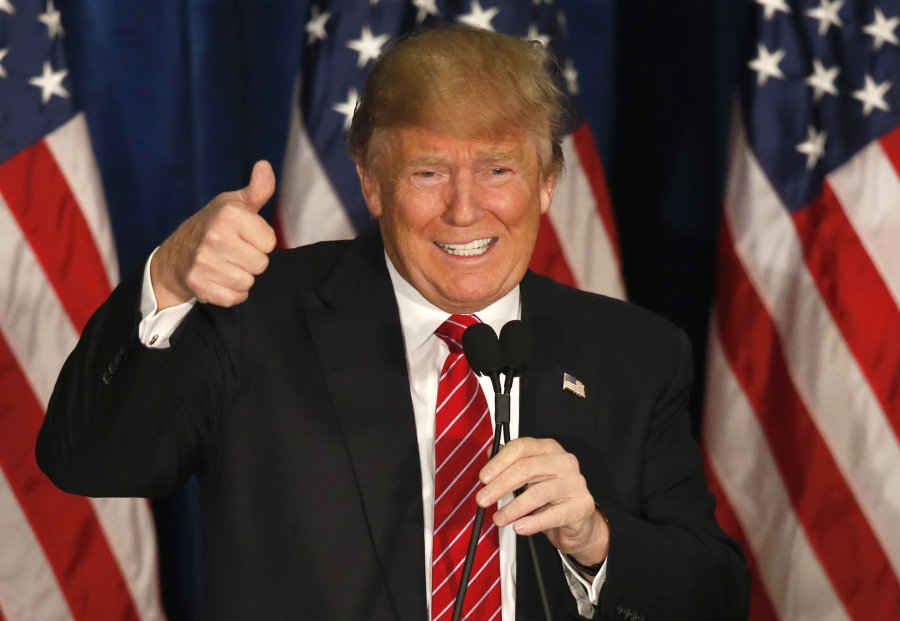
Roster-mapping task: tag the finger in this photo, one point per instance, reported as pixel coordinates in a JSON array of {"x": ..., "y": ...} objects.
[
  {"x": 514, "y": 451},
  {"x": 247, "y": 257},
  {"x": 547, "y": 518},
  {"x": 261, "y": 186},
  {"x": 207, "y": 283},
  {"x": 259, "y": 234},
  {"x": 528, "y": 470},
  {"x": 233, "y": 222},
  {"x": 218, "y": 295},
  {"x": 530, "y": 500}
]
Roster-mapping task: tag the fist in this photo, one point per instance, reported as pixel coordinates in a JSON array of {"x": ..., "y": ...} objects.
[{"x": 216, "y": 254}]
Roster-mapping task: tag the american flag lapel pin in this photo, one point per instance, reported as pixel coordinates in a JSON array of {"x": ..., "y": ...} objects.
[{"x": 573, "y": 385}]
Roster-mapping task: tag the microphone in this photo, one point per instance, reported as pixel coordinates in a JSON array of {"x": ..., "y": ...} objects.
[
  {"x": 482, "y": 350},
  {"x": 487, "y": 355},
  {"x": 517, "y": 345}
]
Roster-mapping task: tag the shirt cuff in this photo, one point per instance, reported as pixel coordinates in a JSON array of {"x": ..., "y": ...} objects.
[
  {"x": 575, "y": 578},
  {"x": 156, "y": 328}
]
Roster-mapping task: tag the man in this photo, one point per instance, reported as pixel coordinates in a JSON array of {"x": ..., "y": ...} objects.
[{"x": 311, "y": 391}]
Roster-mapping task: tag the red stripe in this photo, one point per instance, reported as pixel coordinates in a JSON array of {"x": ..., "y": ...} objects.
[
  {"x": 761, "y": 608},
  {"x": 856, "y": 296},
  {"x": 890, "y": 142},
  {"x": 825, "y": 506},
  {"x": 477, "y": 585},
  {"x": 589, "y": 157},
  {"x": 48, "y": 214},
  {"x": 65, "y": 525},
  {"x": 548, "y": 258}
]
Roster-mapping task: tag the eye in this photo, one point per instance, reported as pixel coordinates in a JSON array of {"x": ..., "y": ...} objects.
[
  {"x": 426, "y": 178},
  {"x": 499, "y": 170}
]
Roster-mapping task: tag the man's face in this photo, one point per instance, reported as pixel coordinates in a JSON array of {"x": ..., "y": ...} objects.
[{"x": 459, "y": 217}]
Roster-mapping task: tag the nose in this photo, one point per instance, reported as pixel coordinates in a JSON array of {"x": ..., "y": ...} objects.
[{"x": 463, "y": 204}]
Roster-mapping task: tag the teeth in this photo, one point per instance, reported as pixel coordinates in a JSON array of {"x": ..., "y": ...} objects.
[{"x": 471, "y": 249}]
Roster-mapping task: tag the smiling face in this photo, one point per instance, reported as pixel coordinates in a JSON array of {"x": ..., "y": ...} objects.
[{"x": 459, "y": 216}]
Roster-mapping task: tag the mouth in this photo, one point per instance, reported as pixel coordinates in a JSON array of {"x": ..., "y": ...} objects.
[{"x": 473, "y": 248}]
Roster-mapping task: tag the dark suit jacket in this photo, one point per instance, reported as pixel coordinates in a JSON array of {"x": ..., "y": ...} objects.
[{"x": 294, "y": 410}]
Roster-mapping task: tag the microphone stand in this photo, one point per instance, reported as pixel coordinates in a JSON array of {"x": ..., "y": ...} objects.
[{"x": 501, "y": 425}]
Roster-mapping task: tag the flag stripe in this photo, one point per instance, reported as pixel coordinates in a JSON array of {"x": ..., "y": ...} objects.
[
  {"x": 890, "y": 143},
  {"x": 38, "y": 330},
  {"x": 305, "y": 184},
  {"x": 760, "y": 605},
  {"x": 856, "y": 297},
  {"x": 868, "y": 189},
  {"x": 748, "y": 473},
  {"x": 825, "y": 506},
  {"x": 41, "y": 335},
  {"x": 588, "y": 158},
  {"x": 36, "y": 192},
  {"x": 28, "y": 586},
  {"x": 826, "y": 378},
  {"x": 77, "y": 550},
  {"x": 70, "y": 145},
  {"x": 584, "y": 241},
  {"x": 548, "y": 257}
]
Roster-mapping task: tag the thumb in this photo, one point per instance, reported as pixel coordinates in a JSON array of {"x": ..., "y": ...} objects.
[{"x": 261, "y": 186}]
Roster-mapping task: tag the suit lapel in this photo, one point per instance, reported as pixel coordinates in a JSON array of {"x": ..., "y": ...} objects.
[{"x": 359, "y": 343}]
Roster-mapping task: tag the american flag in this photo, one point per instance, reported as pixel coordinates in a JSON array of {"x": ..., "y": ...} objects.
[
  {"x": 803, "y": 390},
  {"x": 573, "y": 385},
  {"x": 61, "y": 556},
  {"x": 320, "y": 196}
]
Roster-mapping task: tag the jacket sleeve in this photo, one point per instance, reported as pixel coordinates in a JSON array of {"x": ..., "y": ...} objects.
[
  {"x": 126, "y": 420},
  {"x": 670, "y": 560}
]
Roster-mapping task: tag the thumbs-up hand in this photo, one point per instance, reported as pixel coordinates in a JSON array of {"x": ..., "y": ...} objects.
[{"x": 216, "y": 254}]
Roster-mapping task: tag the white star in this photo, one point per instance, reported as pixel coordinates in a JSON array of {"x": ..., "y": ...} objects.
[
  {"x": 426, "y": 8},
  {"x": 51, "y": 19},
  {"x": 814, "y": 147},
  {"x": 882, "y": 29},
  {"x": 534, "y": 35},
  {"x": 479, "y": 17},
  {"x": 766, "y": 65},
  {"x": 770, "y": 6},
  {"x": 571, "y": 75},
  {"x": 7, "y": 7},
  {"x": 822, "y": 80},
  {"x": 827, "y": 14},
  {"x": 50, "y": 83},
  {"x": 368, "y": 46},
  {"x": 316, "y": 25},
  {"x": 347, "y": 107},
  {"x": 872, "y": 95},
  {"x": 3, "y": 54},
  {"x": 562, "y": 21}
]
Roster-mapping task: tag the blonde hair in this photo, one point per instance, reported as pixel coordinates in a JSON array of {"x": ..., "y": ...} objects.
[{"x": 466, "y": 82}]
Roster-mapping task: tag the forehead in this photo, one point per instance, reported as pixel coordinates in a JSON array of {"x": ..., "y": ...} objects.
[{"x": 410, "y": 145}]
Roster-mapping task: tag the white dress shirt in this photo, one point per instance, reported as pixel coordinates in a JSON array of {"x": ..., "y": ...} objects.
[{"x": 425, "y": 355}]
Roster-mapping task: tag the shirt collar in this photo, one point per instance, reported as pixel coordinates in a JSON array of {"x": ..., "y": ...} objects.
[{"x": 419, "y": 318}]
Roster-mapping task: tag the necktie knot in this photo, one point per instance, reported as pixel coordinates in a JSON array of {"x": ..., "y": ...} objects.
[{"x": 451, "y": 331}]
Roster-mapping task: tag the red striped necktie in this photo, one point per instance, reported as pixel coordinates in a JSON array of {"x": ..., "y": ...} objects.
[{"x": 462, "y": 437}]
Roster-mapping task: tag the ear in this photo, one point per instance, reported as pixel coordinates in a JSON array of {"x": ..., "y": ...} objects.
[
  {"x": 548, "y": 188},
  {"x": 370, "y": 189}
]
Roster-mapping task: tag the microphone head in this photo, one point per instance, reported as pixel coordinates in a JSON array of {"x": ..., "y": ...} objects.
[
  {"x": 517, "y": 345},
  {"x": 482, "y": 349}
]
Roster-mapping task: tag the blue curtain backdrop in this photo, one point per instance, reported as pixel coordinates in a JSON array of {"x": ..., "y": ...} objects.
[{"x": 183, "y": 96}]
